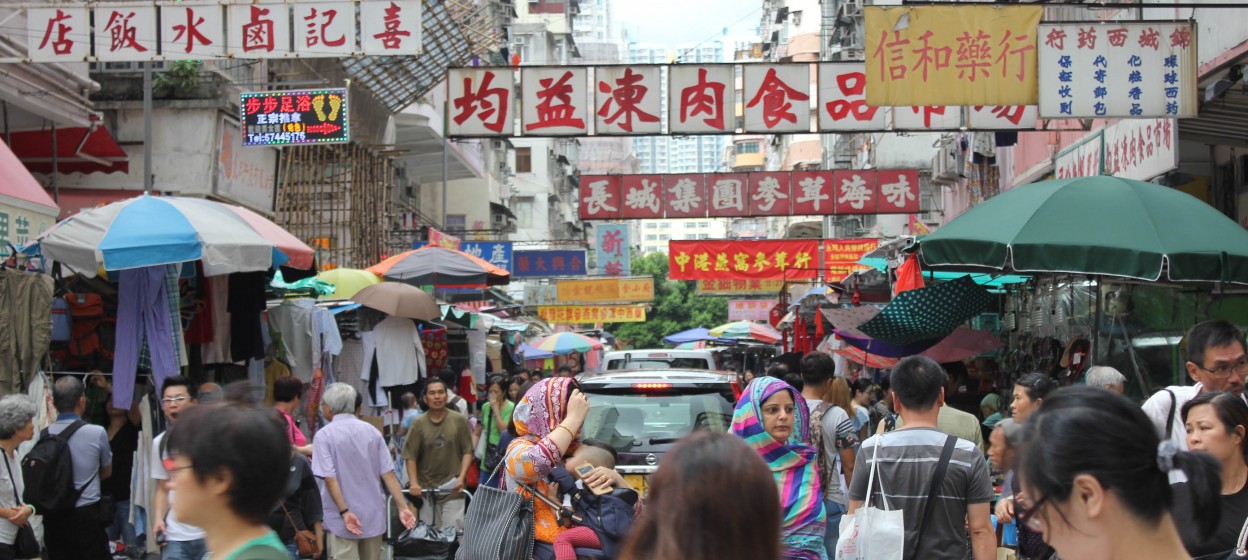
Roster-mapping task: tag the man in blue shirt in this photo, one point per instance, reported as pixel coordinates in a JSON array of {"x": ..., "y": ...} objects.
[{"x": 78, "y": 534}]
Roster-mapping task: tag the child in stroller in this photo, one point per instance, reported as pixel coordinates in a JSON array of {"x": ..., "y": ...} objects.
[{"x": 604, "y": 516}]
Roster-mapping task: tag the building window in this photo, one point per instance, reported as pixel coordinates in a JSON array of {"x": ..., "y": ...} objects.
[
  {"x": 456, "y": 223},
  {"x": 524, "y": 211},
  {"x": 651, "y": 225},
  {"x": 691, "y": 236},
  {"x": 651, "y": 237},
  {"x": 546, "y": 7},
  {"x": 664, "y": 237},
  {"x": 666, "y": 225},
  {"x": 524, "y": 160},
  {"x": 704, "y": 236},
  {"x": 747, "y": 148},
  {"x": 704, "y": 225}
]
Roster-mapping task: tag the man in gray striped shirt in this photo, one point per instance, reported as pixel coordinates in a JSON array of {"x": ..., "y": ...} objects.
[{"x": 908, "y": 459}]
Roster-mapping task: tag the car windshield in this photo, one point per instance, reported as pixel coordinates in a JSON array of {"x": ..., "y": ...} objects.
[
  {"x": 632, "y": 422},
  {"x": 658, "y": 363}
]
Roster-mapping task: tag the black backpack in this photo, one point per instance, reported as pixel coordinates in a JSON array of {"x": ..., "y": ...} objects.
[{"x": 48, "y": 471}]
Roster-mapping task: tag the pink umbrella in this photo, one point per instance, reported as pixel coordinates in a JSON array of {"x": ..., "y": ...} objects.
[
  {"x": 299, "y": 253},
  {"x": 961, "y": 344}
]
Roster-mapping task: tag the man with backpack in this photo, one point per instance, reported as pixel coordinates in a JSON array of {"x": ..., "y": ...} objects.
[
  {"x": 832, "y": 434},
  {"x": 63, "y": 474}
]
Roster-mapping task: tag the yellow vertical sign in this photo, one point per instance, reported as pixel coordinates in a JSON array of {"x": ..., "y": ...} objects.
[{"x": 952, "y": 55}]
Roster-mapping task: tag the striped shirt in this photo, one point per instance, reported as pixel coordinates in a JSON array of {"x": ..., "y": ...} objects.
[{"x": 908, "y": 460}]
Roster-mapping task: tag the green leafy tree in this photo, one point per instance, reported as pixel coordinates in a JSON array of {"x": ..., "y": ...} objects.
[{"x": 677, "y": 307}]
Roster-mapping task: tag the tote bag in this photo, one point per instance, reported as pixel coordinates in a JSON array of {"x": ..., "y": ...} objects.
[
  {"x": 872, "y": 533},
  {"x": 497, "y": 526}
]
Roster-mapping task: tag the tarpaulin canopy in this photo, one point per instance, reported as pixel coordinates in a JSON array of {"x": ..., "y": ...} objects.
[
  {"x": 78, "y": 150},
  {"x": 1099, "y": 225},
  {"x": 927, "y": 313},
  {"x": 858, "y": 356},
  {"x": 747, "y": 330},
  {"x": 441, "y": 267},
  {"x": 692, "y": 335}
]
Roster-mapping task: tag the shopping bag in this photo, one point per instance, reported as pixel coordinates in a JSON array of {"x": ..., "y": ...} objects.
[{"x": 872, "y": 533}]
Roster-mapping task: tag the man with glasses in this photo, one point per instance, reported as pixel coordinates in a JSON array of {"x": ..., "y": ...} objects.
[
  {"x": 1216, "y": 361},
  {"x": 182, "y": 541}
]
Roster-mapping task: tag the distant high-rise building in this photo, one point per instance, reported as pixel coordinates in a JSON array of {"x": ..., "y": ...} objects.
[{"x": 688, "y": 154}]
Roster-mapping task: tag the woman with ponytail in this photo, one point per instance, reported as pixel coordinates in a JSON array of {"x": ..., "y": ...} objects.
[{"x": 1097, "y": 480}]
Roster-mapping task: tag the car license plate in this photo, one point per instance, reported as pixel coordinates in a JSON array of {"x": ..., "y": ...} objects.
[{"x": 639, "y": 482}]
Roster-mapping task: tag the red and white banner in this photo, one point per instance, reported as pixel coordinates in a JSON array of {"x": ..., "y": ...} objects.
[
  {"x": 199, "y": 29},
  {"x": 750, "y": 309},
  {"x": 749, "y": 260},
  {"x": 723, "y": 195},
  {"x": 702, "y": 99},
  {"x": 481, "y": 101},
  {"x": 841, "y": 256}
]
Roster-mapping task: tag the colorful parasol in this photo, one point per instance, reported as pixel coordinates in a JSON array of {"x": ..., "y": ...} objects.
[
  {"x": 347, "y": 281},
  {"x": 442, "y": 268},
  {"x": 567, "y": 343},
  {"x": 857, "y": 356},
  {"x": 747, "y": 329}
]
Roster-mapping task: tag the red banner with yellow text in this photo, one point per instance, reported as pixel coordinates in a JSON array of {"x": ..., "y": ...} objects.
[
  {"x": 794, "y": 259},
  {"x": 841, "y": 256}
]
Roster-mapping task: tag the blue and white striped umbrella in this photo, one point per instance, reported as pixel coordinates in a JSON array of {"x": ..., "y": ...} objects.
[{"x": 148, "y": 231}]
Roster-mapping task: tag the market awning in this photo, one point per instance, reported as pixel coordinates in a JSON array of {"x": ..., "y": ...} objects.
[
  {"x": 78, "y": 150},
  {"x": 497, "y": 208},
  {"x": 17, "y": 184}
]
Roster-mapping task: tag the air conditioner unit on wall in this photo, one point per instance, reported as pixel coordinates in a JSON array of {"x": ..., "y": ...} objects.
[{"x": 944, "y": 168}]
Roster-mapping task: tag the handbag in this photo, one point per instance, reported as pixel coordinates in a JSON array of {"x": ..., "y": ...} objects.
[
  {"x": 489, "y": 455},
  {"x": 871, "y": 533},
  {"x": 25, "y": 544},
  {"x": 305, "y": 540},
  {"x": 498, "y": 525},
  {"x": 1240, "y": 552}
]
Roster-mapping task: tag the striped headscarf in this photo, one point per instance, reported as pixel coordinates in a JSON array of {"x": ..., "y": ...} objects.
[{"x": 792, "y": 462}]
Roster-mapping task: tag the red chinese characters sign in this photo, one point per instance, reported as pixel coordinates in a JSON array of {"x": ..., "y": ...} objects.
[
  {"x": 746, "y": 260},
  {"x": 192, "y": 31},
  {"x": 841, "y": 256},
  {"x": 58, "y": 34},
  {"x": 391, "y": 27},
  {"x": 481, "y": 101},
  {"x": 843, "y": 98},
  {"x": 723, "y": 195},
  {"x": 952, "y": 55},
  {"x": 701, "y": 99},
  {"x": 555, "y": 101},
  {"x": 777, "y": 98},
  {"x": 628, "y": 100},
  {"x": 260, "y": 30},
  {"x": 125, "y": 33}
]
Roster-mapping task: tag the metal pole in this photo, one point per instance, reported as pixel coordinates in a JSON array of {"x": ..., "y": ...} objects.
[
  {"x": 8, "y": 138},
  {"x": 56, "y": 189},
  {"x": 446, "y": 144},
  {"x": 147, "y": 127}
]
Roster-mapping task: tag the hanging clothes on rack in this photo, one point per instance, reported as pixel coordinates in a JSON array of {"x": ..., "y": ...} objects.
[
  {"x": 393, "y": 354},
  {"x": 436, "y": 350},
  {"x": 306, "y": 332},
  {"x": 142, "y": 315},
  {"x": 26, "y": 332},
  {"x": 217, "y": 351},
  {"x": 246, "y": 303}
]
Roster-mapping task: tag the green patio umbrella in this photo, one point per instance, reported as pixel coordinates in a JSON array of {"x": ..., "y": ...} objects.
[
  {"x": 1099, "y": 225},
  {"x": 927, "y": 313}
]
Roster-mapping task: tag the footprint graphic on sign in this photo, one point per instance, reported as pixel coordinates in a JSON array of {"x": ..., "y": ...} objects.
[
  {"x": 318, "y": 105},
  {"x": 335, "y": 103}
]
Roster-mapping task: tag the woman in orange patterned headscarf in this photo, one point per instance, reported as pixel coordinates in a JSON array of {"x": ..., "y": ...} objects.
[{"x": 548, "y": 423}]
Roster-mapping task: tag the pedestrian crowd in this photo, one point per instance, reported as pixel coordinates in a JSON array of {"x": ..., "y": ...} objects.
[{"x": 819, "y": 468}]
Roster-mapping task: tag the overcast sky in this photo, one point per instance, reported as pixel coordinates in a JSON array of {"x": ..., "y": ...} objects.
[{"x": 673, "y": 22}]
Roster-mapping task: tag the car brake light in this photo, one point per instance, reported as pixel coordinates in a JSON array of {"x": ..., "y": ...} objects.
[
  {"x": 657, "y": 355},
  {"x": 651, "y": 386},
  {"x": 736, "y": 390}
]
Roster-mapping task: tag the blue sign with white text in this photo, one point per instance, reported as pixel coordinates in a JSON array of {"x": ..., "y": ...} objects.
[{"x": 537, "y": 264}]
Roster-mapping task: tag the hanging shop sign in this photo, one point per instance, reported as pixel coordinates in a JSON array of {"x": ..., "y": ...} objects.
[
  {"x": 1141, "y": 148},
  {"x": 273, "y": 118},
  {"x": 442, "y": 239},
  {"x": 795, "y": 259},
  {"x": 197, "y": 30},
  {"x": 1115, "y": 69},
  {"x": 951, "y": 55},
  {"x": 722, "y": 195},
  {"x": 248, "y": 177},
  {"x": 497, "y": 253},
  {"x": 737, "y": 286},
  {"x": 611, "y": 245},
  {"x": 616, "y": 290},
  {"x": 540, "y": 294},
  {"x": 1081, "y": 160},
  {"x": 1138, "y": 149},
  {"x": 750, "y": 309},
  {"x": 588, "y": 314},
  {"x": 841, "y": 256},
  {"x": 628, "y": 100},
  {"x": 541, "y": 264}
]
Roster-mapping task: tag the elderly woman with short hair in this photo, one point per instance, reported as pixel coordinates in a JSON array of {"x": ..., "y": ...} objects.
[
  {"x": 17, "y": 413},
  {"x": 1106, "y": 377}
]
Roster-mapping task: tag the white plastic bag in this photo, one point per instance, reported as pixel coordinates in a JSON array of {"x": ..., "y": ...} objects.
[{"x": 872, "y": 533}]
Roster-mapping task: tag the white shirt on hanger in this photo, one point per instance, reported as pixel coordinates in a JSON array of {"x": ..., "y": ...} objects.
[{"x": 400, "y": 354}]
